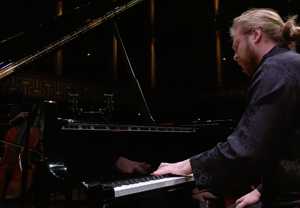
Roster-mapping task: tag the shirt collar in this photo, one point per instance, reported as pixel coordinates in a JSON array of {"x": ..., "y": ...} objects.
[{"x": 275, "y": 50}]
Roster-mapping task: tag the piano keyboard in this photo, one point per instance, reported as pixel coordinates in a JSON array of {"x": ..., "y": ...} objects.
[{"x": 140, "y": 185}]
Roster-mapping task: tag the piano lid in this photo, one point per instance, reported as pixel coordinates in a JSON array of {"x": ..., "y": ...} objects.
[
  {"x": 87, "y": 54},
  {"x": 174, "y": 96},
  {"x": 40, "y": 28},
  {"x": 29, "y": 15}
]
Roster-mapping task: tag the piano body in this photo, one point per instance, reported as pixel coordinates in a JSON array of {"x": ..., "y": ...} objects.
[{"x": 83, "y": 125}]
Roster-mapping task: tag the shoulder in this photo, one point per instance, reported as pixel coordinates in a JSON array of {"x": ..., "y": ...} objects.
[
  {"x": 281, "y": 66},
  {"x": 286, "y": 62},
  {"x": 278, "y": 73}
]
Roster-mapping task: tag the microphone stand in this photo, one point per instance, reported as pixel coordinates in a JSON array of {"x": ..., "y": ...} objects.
[{"x": 116, "y": 28}]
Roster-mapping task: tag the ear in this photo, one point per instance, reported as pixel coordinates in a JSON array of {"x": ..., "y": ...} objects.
[{"x": 256, "y": 35}]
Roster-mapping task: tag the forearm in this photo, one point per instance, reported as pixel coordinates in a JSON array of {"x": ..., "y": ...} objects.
[{"x": 216, "y": 167}]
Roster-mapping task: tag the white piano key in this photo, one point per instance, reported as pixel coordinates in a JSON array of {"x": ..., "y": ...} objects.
[{"x": 139, "y": 187}]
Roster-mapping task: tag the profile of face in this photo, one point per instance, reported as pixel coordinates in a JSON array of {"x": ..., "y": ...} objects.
[{"x": 244, "y": 53}]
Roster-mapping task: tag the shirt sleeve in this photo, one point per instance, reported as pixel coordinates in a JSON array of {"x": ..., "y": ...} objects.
[
  {"x": 259, "y": 188},
  {"x": 250, "y": 148}
]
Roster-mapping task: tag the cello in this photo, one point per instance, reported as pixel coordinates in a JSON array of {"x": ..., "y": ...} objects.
[{"x": 21, "y": 145}]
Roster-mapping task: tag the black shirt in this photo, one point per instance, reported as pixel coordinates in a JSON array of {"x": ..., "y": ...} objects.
[{"x": 267, "y": 139}]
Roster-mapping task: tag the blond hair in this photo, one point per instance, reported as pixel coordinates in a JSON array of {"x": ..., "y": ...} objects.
[{"x": 270, "y": 22}]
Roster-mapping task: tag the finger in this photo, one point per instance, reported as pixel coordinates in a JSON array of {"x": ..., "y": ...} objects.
[
  {"x": 146, "y": 167},
  {"x": 241, "y": 205},
  {"x": 198, "y": 197},
  {"x": 158, "y": 172},
  {"x": 140, "y": 169},
  {"x": 197, "y": 191},
  {"x": 209, "y": 195},
  {"x": 239, "y": 200},
  {"x": 204, "y": 196},
  {"x": 144, "y": 164},
  {"x": 162, "y": 165},
  {"x": 161, "y": 171}
]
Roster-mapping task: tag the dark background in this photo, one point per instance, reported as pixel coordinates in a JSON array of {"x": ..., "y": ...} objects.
[
  {"x": 186, "y": 86},
  {"x": 186, "y": 91}
]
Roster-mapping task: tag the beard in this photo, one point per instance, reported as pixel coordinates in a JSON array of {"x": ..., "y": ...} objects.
[{"x": 249, "y": 61}]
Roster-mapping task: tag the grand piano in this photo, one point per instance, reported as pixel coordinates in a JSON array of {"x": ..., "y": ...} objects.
[{"x": 90, "y": 109}]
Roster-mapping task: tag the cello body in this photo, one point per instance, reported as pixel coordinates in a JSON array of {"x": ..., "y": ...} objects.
[{"x": 12, "y": 162}]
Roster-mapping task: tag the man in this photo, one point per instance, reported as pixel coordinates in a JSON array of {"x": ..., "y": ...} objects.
[{"x": 267, "y": 138}]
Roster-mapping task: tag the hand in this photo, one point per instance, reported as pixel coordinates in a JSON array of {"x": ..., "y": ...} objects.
[
  {"x": 179, "y": 168},
  {"x": 202, "y": 195},
  {"x": 127, "y": 166},
  {"x": 248, "y": 199}
]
